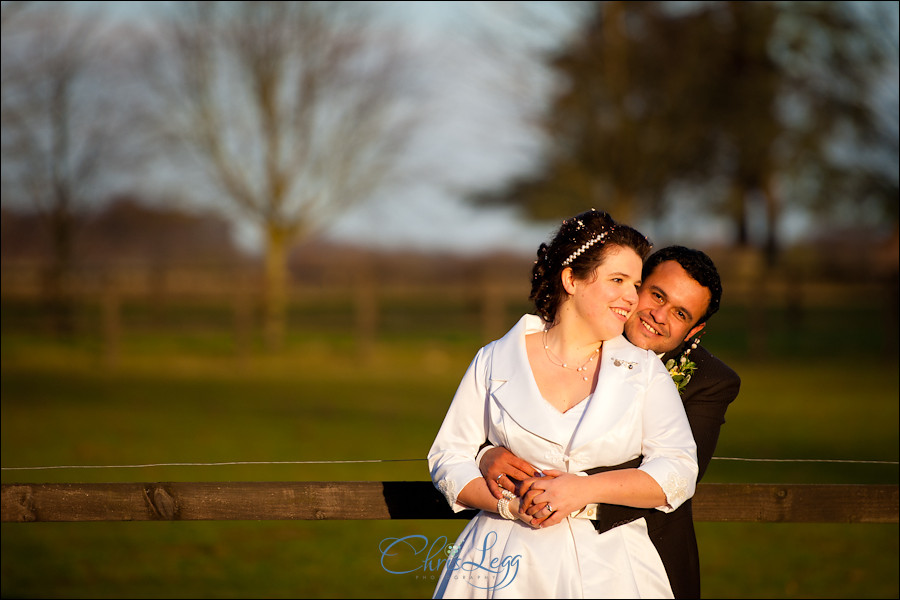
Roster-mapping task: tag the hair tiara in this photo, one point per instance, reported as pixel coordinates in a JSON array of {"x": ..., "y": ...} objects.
[{"x": 597, "y": 238}]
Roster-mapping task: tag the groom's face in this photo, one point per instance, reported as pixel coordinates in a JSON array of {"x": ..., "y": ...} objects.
[{"x": 669, "y": 304}]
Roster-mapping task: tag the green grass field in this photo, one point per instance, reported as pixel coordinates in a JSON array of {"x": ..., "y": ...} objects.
[{"x": 188, "y": 398}]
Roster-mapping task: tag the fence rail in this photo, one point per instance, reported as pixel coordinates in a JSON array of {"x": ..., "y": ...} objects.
[{"x": 355, "y": 500}]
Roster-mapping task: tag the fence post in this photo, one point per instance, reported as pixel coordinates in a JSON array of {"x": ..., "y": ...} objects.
[
  {"x": 111, "y": 317},
  {"x": 366, "y": 305},
  {"x": 242, "y": 306}
]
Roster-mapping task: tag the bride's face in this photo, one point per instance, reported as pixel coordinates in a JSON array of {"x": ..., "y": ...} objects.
[{"x": 603, "y": 303}]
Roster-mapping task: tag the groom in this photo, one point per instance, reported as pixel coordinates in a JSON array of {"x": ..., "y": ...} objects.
[{"x": 681, "y": 290}]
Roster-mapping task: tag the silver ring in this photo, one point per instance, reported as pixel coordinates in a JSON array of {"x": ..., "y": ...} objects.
[
  {"x": 550, "y": 508},
  {"x": 499, "y": 476}
]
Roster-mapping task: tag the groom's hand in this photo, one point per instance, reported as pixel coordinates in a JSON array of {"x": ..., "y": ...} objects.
[{"x": 503, "y": 470}]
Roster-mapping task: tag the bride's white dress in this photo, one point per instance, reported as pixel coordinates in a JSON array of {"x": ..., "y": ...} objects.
[{"x": 635, "y": 410}]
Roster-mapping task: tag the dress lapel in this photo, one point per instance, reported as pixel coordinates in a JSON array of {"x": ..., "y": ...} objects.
[
  {"x": 614, "y": 396},
  {"x": 513, "y": 386}
]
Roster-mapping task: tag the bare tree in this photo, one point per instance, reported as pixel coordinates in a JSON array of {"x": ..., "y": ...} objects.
[
  {"x": 58, "y": 129},
  {"x": 294, "y": 111}
]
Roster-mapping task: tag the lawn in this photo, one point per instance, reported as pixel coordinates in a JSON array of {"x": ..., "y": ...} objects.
[{"x": 171, "y": 399}]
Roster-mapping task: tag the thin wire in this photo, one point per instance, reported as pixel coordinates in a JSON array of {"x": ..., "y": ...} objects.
[
  {"x": 386, "y": 460},
  {"x": 801, "y": 460},
  {"x": 217, "y": 464}
]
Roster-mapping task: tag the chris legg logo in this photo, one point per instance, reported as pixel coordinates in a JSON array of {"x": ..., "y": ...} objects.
[{"x": 414, "y": 554}]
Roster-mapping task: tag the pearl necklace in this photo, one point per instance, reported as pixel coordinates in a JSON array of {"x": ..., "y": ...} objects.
[{"x": 559, "y": 363}]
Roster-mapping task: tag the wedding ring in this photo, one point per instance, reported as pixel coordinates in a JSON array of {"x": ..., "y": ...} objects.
[
  {"x": 499, "y": 476},
  {"x": 550, "y": 508}
]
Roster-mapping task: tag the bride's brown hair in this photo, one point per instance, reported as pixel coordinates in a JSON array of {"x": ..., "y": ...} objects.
[{"x": 582, "y": 244}]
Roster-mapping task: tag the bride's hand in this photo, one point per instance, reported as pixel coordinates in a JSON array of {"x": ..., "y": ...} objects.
[
  {"x": 525, "y": 491},
  {"x": 550, "y": 500}
]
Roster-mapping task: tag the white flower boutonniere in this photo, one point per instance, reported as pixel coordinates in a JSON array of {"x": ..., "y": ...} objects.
[{"x": 682, "y": 369}]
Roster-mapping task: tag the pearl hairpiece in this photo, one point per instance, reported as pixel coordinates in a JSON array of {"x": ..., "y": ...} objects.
[{"x": 597, "y": 238}]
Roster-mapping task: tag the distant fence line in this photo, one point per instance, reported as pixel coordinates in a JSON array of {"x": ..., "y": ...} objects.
[
  {"x": 241, "y": 292},
  {"x": 368, "y": 500},
  {"x": 492, "y": 295},
  {"x": 26, "y": 280}
]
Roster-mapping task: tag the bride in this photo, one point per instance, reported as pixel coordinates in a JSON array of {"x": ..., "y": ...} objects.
[{"x": 565, "y": 391}]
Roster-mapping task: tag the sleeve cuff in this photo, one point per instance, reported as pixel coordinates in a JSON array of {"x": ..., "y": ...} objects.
[
  {"x": 450, "y": 489},
  {"x": 675, "y": 486}
]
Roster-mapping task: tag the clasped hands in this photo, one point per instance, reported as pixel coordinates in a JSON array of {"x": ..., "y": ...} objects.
[{"x": 544, "y": 498}]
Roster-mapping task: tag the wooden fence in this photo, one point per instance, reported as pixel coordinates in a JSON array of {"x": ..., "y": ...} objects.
[
  {"x": 99, "y": 300},
  {"x": 353, "y": 500}
]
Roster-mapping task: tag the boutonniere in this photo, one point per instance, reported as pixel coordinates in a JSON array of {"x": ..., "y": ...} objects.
[{"x": 681, "y": 369}]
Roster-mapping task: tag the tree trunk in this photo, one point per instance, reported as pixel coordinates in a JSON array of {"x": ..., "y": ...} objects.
[
  {"x": 622, "y": 209},
  {"x": 772, "y": 214},
  {"x": 56, "y": 283},
  {"x": 276, "y": 285},
  {"x": 739, "y": 208}
]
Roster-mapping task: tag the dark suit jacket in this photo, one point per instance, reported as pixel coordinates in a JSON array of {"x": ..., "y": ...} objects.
[{"x": 713, "y": 386}]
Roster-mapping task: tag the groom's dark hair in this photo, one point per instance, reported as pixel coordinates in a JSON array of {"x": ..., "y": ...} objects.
[{"x": 698, "y": 265}]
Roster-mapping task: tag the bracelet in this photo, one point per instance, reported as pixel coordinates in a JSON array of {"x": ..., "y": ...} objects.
[
  {"x": 508, "y": 494},
  {"x": 503, "y": 509}
]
